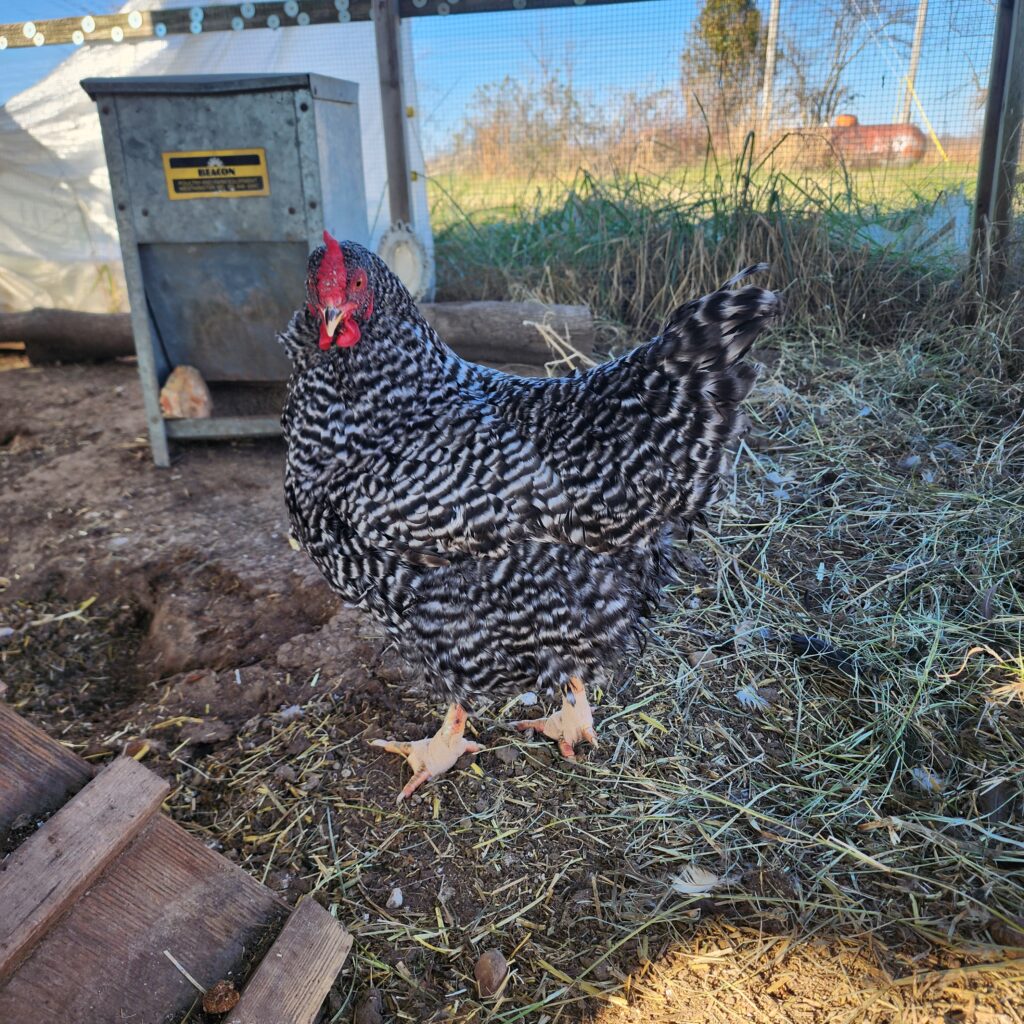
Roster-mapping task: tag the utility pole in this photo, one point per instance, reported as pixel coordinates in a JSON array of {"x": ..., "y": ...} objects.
[
  {"x": 915, "y": 60},
  {"x": 769, "y": 66}
]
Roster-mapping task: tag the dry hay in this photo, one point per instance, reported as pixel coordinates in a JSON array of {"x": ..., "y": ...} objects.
[{"x": 797, "y": 783}]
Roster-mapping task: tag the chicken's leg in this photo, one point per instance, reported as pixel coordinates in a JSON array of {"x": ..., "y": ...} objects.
[
  {"x": 573, "y": 723},
  {"x": 434, "y": 756}
]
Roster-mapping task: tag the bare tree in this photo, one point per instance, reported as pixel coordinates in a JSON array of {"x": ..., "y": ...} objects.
[
  {"x": 815, "y": 58},
  {"x": 517, "y": 125}
]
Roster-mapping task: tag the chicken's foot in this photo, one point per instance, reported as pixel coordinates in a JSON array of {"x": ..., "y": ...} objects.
[
  {"x": 431, "y": 757},
  {"x": 573, "y": 723}
]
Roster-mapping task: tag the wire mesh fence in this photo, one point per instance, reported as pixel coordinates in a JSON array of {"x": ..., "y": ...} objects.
[
  {"x": 887, "y": 93},
  {"x": 878, "y": 99}
]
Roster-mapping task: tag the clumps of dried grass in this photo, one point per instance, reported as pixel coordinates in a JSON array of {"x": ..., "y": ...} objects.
[
  {"x": 800, "y": 752},
  {"x": 634, "y": 249},
  {"x": 799, "y": 781}
]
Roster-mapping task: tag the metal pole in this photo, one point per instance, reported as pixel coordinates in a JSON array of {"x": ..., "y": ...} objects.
[
  {"x": 389, "y": 64},
  {"x": 1008, "y": 150},
  {"x": 1007, "y": 15},
  {"x": 915, "y": 60},
  {"x": 769, "y": 66}
]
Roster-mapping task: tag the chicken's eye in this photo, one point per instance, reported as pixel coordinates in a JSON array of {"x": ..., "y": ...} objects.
[{"x": 359, "y": 281}]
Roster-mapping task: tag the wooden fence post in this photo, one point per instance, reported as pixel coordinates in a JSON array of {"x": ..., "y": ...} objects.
[{"x": 389, "y": 64}]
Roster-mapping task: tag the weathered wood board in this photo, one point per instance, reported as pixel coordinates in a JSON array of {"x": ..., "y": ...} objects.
[
  {"x": 293, "y": 979},
  {"x": 92, "y": 903},
  {"x": 104, "y": 960},
  {"x": 37, "y": 774},
  {"x": 44, "y": 876}
]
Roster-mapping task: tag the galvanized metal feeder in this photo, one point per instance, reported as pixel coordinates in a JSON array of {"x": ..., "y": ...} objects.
[{"x": 222, "y": 184}]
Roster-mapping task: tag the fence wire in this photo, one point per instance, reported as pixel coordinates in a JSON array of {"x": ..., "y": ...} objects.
[
  {"x": 521, "y": 101},
  {"x": 885, "y": 97}
]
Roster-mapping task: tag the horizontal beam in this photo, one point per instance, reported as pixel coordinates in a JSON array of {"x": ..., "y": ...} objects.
[
  {"x": 220, "y": 427},
  {"x": 137, "y": 26}
]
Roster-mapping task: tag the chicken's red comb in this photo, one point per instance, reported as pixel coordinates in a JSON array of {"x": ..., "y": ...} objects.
[
  {"x": 333, "y": 273},
  {"x": 332, "y": 244}
]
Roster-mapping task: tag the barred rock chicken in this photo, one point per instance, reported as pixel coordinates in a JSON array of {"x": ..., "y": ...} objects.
[{"x": 511, "y": 533}]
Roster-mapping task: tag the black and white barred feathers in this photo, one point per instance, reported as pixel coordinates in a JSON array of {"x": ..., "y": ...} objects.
[{"x": 510, "y": 532}]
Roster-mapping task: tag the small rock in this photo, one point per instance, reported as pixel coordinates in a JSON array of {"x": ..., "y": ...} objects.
[
  {"x": 5, "y": 633},
  {"x": 601, "y": 972},
  {"x": 291, "y": 712},
  {"x": 370, "y": 1007},
  {"x": 506, "y": 755},
  {"x": 210, "y": 730},
  {"x": 396, "y": 899},
  {"x": 285, "y": 773},
  {"x": 528, "y": 699},
  {"x": 221, "y": 997},
  {"x": 298, "y": 745},
  {"x": 490, "y": 973}
]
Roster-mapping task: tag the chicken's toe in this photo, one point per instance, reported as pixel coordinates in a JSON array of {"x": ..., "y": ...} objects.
[
  {"x": 431, "y": 757},
  {"x": 573, "y": 722}
]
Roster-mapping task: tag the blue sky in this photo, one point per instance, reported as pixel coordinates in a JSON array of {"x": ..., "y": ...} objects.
[{"x": 622, "y": 47}]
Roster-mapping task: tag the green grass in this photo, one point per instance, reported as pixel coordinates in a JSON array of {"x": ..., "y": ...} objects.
[
  {"x": 453, "y": 196},
  {"x": 634, "y": 249}
]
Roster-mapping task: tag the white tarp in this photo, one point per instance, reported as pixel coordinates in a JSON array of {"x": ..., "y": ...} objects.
[{"x": 58, "y": 236}]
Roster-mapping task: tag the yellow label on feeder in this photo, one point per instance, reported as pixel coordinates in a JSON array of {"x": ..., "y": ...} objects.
[{"x": 217, "y": 174}]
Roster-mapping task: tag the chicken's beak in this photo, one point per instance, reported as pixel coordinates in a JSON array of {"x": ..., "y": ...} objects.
[{"x": 332, "y": 317}]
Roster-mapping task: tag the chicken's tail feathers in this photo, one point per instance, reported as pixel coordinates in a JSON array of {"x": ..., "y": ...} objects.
[
  {"x": 754, "y": 268},
  {"x": 300, "y": 339},
  {"x": 716, "y": 331}
]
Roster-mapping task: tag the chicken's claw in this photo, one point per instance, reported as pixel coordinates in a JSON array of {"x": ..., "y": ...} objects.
[
  {"x": 431, "y": 757},
  {"x": 573, "y": 723}
]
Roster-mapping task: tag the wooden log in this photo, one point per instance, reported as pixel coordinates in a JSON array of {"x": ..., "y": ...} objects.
[
  {"x": 487, "y": 332},
  {"x": 498, "y": 332},
  {"x": 67, "y": 336},
  {"x": 293, "y": 979},
  {"x": 53, "y": 867}
]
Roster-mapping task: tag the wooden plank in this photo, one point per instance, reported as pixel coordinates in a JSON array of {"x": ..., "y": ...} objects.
[
  {"x": 293, "y": 979},
  {"x": 54, "y": 866},
  {"x": 37, "y": 774},
  {"x": 392, "y": 108},
  {"x": 104, "y": 960}
]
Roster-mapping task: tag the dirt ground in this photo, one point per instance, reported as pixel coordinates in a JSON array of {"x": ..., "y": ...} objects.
[{"x": 164, "y": 611}]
